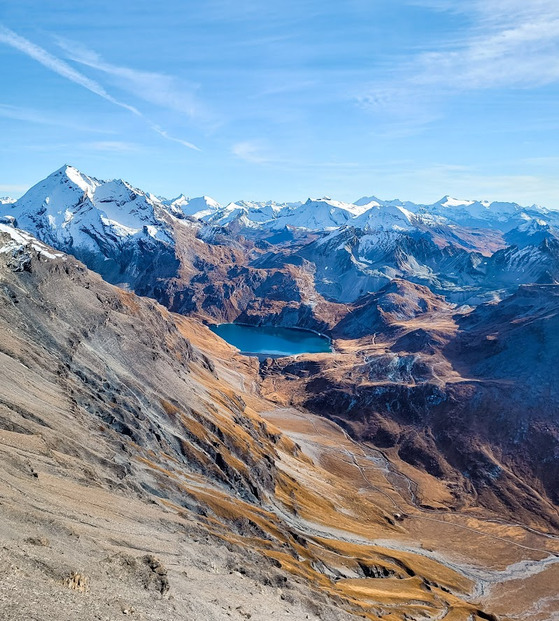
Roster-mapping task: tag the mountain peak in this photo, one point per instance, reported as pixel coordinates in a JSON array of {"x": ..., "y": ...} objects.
[
  {"x": 449, "y": 201},
  {"x": 64, "y": 168},
  {"x": 71, "y": 174},
  {"x": 367, "y": 200}
]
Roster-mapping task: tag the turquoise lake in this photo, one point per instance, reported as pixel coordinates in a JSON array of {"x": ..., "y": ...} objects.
[{"x": 270, "y": 341}]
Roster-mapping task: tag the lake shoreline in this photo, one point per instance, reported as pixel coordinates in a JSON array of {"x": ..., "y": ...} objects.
[{"x": 264, "y": 341}]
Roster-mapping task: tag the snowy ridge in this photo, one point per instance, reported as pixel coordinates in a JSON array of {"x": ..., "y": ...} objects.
[
  {"x": 252, "y": 213},
  {"x": 70, "y": 209},
  {"x": 317, "y": 214},
  {"x": 69, "y": 206},
  {"x": 387, "y": 217},
  {"x": 371, "y": 213},
  {"x": 201, "y": 207},
  {"x": 18, "y": 240}
]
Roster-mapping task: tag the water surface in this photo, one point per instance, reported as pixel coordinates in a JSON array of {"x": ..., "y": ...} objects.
[{"x": 270, "y": 341}]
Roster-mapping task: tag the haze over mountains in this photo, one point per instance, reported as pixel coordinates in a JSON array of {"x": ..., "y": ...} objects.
[{"x": 444, "y": 321}]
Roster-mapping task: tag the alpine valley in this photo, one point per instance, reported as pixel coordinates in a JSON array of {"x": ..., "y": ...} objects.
[{"x": 152, "y": 470}]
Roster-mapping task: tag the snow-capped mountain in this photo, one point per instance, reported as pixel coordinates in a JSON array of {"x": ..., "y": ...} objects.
[
  {"x": 314, "y": 214},
  {"x": 370, "y": 212},
  {"x": 201, "y": 207},
  {"x": 320, "y": 214},
  {"x": 252, "y": 214},
  {"x": 386, "y": 217},
  {"x": 7, "y": 200},
  {"x": 463, "y": 249},
  {"x": 531, "y": 233},
  {"x": 366, "y": 202},
  {"x": 114, "y": 228},
  {"x": 69, "y": 205},
  {"x": 496, "y": 215},
  {"x": 70, "y": 208}
]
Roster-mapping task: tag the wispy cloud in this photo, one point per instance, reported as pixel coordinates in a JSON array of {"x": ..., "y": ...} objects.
[
  {"x": 252, "y": 151},
  {"x": 29, "y": 115},
  {"x": 57, "y": 65},
  {"x": 184, "y": 143},
  {"x": 65, "y": 70},
  {"x": 93, "y": 146},
  {"x": 160, "y": 89},
  {"x": 262, "y": 153},
  {"x": 521, "y": 56},
  {"x": 111, "y": 146},
  {"x": 509, "y": 44}
]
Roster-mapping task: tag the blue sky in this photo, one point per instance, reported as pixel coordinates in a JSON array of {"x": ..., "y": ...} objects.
[{"x": 257, "y": 100}]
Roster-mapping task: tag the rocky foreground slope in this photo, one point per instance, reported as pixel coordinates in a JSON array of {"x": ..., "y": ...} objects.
[{"x": 143, "y": 476}]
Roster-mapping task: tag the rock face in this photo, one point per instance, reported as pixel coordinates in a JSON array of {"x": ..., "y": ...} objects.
[
  {"x": 512, "y": 347},
  {"x": 111, "y": 349}
]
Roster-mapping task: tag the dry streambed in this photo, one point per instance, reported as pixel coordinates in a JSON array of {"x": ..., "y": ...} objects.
[{"x": 493, "y": 556}]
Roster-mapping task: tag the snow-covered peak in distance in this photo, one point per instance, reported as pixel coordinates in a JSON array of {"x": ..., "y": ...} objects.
[
  {"x": 368, "y": 200},
  {"x": 386, "y": 217},
  {"x": 448, "y": 201},
  {"x": 327, "y": 202},
  {"x": 531, "y": 233},
  {"x": 201, "y": 207},
  {"x": 252, "y": 212},
  {"x": 498, "y": 215},
  {"x": 7, "y": 200},
  {"x": 318, "y": 214}
]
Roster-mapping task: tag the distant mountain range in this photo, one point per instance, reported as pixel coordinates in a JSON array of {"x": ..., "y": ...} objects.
[
  {"x": 118, "y": 201},
  {"x": 467, "y": 251}
]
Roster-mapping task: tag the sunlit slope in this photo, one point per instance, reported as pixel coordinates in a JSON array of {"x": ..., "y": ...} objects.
[{"x": 129, "y": 431}]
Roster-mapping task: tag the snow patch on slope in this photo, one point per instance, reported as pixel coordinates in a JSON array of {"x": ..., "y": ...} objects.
[
  {"x": 201, "y": 207},
  {"x": 20, "y": 239}
]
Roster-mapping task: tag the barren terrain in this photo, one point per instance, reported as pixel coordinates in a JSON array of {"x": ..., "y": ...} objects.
[{"x": 147, "y": 474}]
